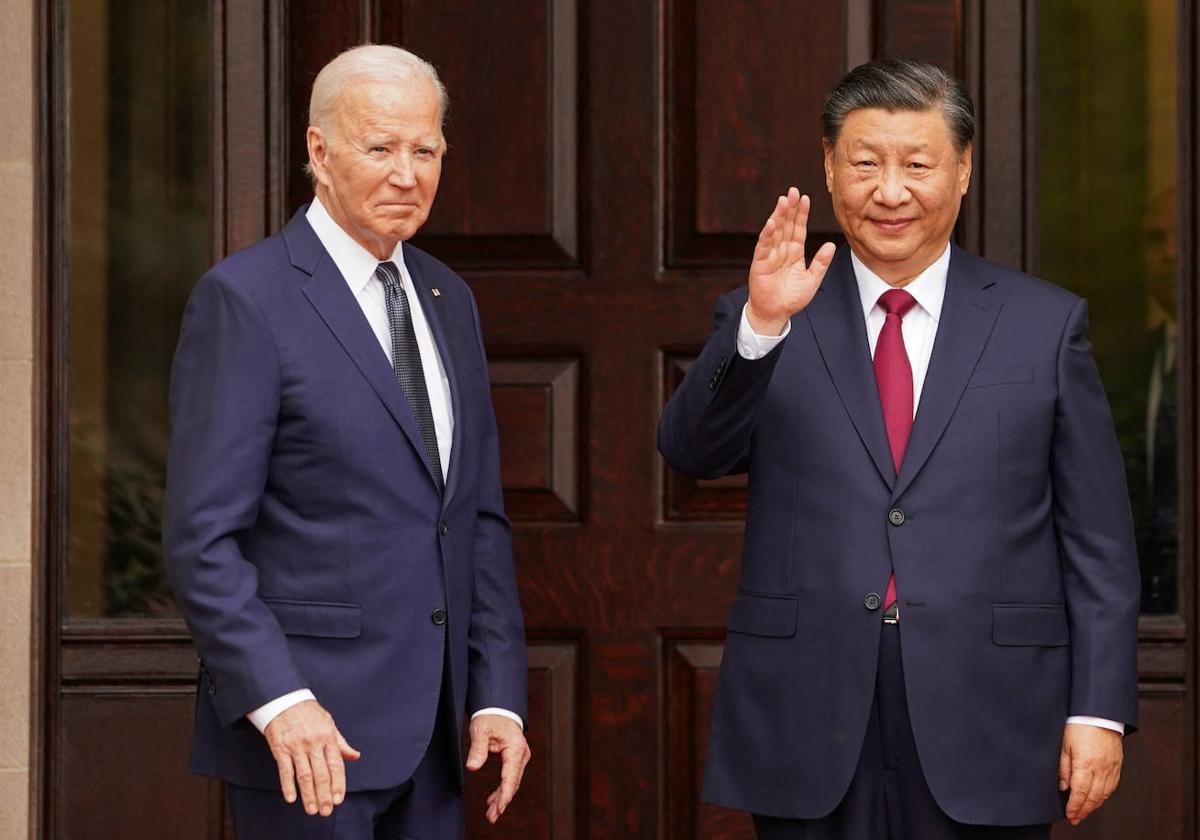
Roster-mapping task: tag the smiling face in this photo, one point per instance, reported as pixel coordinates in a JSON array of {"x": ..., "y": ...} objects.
[
  {"x": 897, "y": 183},
  {"x": 377, "y": 166}
]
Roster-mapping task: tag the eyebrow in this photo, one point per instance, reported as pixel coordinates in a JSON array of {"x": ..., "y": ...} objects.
[{"x": 385, "y": 139}]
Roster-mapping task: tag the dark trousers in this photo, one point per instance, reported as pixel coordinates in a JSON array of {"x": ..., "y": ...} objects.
[
  {"x": 888, "y": 797},
  {"x": 428, "y": 806}
]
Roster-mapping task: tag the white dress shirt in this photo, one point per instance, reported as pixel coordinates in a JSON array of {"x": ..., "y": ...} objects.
[
  {"x": 919, "y": 328},
  {"x": 357, "y": 266}
]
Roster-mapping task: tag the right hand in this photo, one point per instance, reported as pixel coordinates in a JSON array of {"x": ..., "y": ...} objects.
[
  {"x": 780, "y": 284},
  {"x": 310, "y": 751}
]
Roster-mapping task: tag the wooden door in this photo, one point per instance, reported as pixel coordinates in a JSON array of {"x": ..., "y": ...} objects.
[{"x": 610, "y": 164}]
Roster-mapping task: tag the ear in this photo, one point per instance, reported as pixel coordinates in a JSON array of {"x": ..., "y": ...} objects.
[
  {"x": 828, "y": 148},
  {"x": 318, "y": 154},
  {"x": 964, "y": 170}
]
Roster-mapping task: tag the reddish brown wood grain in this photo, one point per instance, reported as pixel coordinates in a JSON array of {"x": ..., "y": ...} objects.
[
  {"x": 537, "y": 407},
  {"x": 510, "y": 184},
  {"x": 745, "y": 88}
]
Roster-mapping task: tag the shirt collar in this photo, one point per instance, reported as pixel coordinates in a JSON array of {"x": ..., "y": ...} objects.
[
  {"x": 928, "y": 287},
  {"x": 355, "y": 262}
]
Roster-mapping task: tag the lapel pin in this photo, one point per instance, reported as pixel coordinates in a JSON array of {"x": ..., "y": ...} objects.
[{"x": 437, "y": 292}]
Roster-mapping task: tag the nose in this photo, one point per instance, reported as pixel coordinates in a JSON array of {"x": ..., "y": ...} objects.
[
  {"x": 891, "y": 190},
  {"x": 403, "y": 173}
]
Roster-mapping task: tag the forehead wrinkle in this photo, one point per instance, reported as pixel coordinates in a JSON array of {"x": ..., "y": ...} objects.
[
  {"x": 367, "y": 125},
  {"x": 887, "y": 146}
]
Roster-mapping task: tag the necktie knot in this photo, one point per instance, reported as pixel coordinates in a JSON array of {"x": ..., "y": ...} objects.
[
  {"x": 897, "y": 302},
  {"x": 388, "y": 274}
]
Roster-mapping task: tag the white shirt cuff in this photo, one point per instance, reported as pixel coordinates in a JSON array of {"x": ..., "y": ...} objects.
[
  {"x": 263, "y": 715},
  {"x": 491, "y": 710},
  {"x": 1103, "y": 723},
  {"x": 751, "y": 345}
]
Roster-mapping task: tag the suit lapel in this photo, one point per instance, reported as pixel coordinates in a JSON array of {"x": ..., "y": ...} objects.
[
  {"x": 969, "y": 312},
  {"x": 836, "y": 317},
  {"x": 329, "y": 294},
  {"x": 434, "y": 307}
]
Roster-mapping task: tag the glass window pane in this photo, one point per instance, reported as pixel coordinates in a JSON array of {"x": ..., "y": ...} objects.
[
  {"x": 1106, "y": 228},
  {"x": 139, "y": 199}
]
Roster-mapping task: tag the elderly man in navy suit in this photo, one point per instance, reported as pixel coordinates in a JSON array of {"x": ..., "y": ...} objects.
[
  {"x": 934, "y": 635},
  {"x": 334, "y": 528}
]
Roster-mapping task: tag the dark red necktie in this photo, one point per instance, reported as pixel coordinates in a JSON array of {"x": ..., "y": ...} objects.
[{"x": 893, "y": 375}]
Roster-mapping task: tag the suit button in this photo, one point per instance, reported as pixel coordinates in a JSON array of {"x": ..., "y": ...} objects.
[
  {"x": 896, "y": 516},
  {"x": 438, "y": 617},
  {"x": 212, "y": 689},
  {"x": 443, "y": 528},
  {"x": 872, "y": 601}
]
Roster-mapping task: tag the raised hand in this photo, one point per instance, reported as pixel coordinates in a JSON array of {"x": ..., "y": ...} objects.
[{"x": 780, "y": 283}]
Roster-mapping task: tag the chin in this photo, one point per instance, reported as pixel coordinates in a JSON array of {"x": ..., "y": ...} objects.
[{"x": 888, "y": 252}]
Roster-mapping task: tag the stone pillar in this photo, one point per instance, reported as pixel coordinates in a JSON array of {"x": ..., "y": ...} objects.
[{"x": 19, "y": 379}]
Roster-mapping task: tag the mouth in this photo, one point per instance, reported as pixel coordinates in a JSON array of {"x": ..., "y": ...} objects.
[{"x": 891, "y": 225}]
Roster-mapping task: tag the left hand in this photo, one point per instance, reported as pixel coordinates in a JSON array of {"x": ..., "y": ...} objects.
[
  {"x": 498, "y": 734},
  {"x": 1090, "y": 766}
]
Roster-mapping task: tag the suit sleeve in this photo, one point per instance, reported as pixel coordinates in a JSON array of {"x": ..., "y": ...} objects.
[
  {"x": 705, "y": 429},
  {"x": 1092, "y": 517},
  {"x": 497, "y": 670},
  {"x": 225, "y": 394}
]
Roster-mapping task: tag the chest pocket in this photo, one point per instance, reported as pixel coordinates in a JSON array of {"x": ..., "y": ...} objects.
[{"x": 1003, "y": 375}]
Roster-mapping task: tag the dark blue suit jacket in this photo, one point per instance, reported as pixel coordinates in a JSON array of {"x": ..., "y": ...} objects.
[
  {"x": 304, "y": 536},
  {"x": 1014, "y": 558}
]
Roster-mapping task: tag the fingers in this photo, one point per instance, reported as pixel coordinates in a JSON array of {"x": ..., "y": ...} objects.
[
  {"x": 783, "y": 235},
  {"x": 791, "y": 210},
  {"x": 766, "y": 250},
  {"x": 1081, "y": 785},
  {"x": 762, "y": 248},
  {"x": 512, "y": 769},
  {"x": 504, "y": 736},
  {"x": 821, "y": 260},
  {"x": 304, "y": 776},
  {"x": 287, "y": 778},
  {"x": 310, "y": 754},
  {"x": 322, "y": 782},
  {"x": 347, "y": 752},
  {"x": 1089, "y": 790},
  {"x": 1090, "y": 762},
  {"x": 337, "y": 775},
  {"x": 800, "y": 228},
  {"x": 478, "y": 753}
]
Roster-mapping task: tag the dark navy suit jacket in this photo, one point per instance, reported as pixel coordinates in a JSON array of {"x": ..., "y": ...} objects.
[
  {"x": 304, "y": 535},
  {"x": 1008, "y": 526}
]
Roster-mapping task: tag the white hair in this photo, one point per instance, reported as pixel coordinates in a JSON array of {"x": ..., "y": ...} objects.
[{"x": 367, "y": 62}]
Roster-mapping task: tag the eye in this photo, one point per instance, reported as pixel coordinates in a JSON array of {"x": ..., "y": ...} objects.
[
  {"x": 379, "y": 150},
  {"x": 426, "y": 152},
  {"x": 916, "y": 164},
  {"x": 864, "y": 163}
]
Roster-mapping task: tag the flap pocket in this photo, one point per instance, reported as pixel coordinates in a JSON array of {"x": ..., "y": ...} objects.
[
  {"x": 764, "y": 615},
  {"x": 317, "y": 618},
  {"x": 1044, "y": 625},
  {"x": 1003, "y": 375}
]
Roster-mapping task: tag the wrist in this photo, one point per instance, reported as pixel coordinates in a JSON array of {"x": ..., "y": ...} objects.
[{"x": 766, "y": 327}]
